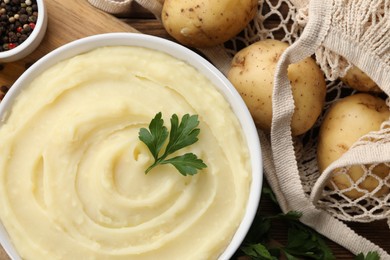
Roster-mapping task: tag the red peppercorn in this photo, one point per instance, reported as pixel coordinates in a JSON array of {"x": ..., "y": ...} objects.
[
  {"x": 32, "y": 25},
  {"x": 19, "y": 29},
  {"x": 11, "y": 45}
]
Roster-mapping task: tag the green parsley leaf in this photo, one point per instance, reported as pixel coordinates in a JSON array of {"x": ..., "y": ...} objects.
[
  {"x": 154, "y": 139},
  {"x": 258, "y": 252},
  {"x": 186, "y": 164},
  {"x": 182, "y": 134},
  {"x": 302, "y": 242},
  {"x": 369, "y": 256}
]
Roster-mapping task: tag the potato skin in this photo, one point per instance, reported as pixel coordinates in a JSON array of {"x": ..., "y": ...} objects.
[
  {"x": 252, "y": 73},
  {"x": 358, "y": 80},
  {"x": 345, "y": 122},
  {"x": 206, "y": 23}
]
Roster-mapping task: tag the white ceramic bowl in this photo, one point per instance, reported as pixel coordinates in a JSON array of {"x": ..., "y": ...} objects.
[
  {"x": 182, "y": 53},
  {"x": 33, "y": 40}
]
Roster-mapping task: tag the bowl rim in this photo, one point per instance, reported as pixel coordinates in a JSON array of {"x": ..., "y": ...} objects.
[
  {"x": 182, "y": 53},
  {"x": 40, "y": 26}
]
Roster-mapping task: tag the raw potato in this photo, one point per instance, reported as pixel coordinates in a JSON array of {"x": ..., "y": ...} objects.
[
  {"x": 345, "y": 122},
  {"x": 358, "y": 80},
  {"x": 206, "y": 23},
  {"x": 252, "y": 73}
]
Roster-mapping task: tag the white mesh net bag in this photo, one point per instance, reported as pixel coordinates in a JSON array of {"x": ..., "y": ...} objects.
[{"x": 338, "y": 33}]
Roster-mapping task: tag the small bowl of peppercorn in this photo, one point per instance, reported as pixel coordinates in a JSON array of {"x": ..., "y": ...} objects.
[{"x": 23, "y": 25}]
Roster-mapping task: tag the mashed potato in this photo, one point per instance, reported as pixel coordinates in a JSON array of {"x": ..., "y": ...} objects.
[{"x": 72, "y": 181}]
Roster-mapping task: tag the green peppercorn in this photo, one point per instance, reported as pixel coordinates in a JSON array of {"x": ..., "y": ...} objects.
[{"x": 32, "y": 19}]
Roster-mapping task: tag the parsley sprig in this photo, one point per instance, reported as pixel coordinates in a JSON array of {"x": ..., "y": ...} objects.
[
  {"x": 182, "y": 134},
  {"x": 302, "y": 241}
]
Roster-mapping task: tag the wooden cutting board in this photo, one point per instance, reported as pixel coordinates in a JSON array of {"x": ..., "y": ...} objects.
[{"x": 67, "y": 21}]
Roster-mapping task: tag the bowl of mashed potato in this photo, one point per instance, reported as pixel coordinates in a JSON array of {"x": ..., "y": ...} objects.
[{"x": 72, "y": 166}]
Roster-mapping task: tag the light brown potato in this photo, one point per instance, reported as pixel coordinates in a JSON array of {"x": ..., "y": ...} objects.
[
  {"x": 358, "y": 80},
  {"x": 252, "y": 73},
  {"x": 206, "y": 23},
  {"x": 345, "y": 122}
]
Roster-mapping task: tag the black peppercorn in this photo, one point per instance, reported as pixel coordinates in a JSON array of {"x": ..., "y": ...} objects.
[
  {"x": 22, "y": 38},
  {"x": 23, "y": 18},
  {"x": 4, "y": 88},
  {"x": 12, "y": 37}
]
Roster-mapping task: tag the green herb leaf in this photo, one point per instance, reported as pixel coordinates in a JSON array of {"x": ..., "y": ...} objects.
[
  {"x": 182, "y": 134},
  {"x": 186, "y": 164},
  {"x": 258, "y": 252},
  {"x": 302, "y": 242},
  {"x": 369, "y": 256},
  {"x": 267, "y": 191},
  {"x": 155, "y": 138}
]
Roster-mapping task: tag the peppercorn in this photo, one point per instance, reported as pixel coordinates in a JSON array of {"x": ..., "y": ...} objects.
[
  {"x": 22, "y": 38},
  {"x": 32, "y": 19},
  {"x": 3, "y": 88},
  {"x": 12, "y": 37},
  {"x": 23, "y": 18},
  {"x": 17, "y": 21}
]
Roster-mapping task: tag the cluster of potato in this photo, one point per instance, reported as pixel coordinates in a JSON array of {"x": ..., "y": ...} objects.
[{"x": 197, "y": 23}]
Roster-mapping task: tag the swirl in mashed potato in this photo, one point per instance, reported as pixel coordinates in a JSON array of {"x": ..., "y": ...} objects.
[{"x": 72, "y": 167}]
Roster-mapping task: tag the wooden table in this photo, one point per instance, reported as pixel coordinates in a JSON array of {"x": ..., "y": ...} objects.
[{"x": 83, "y": 20}]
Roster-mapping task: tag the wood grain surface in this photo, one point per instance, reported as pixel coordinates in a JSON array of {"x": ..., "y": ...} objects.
[
  {"x": 73, "y": 19},
  {"x": 67, "y": 21}
]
